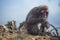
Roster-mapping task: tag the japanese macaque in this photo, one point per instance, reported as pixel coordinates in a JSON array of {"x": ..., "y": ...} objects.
[{"x": 36, "y": 20}]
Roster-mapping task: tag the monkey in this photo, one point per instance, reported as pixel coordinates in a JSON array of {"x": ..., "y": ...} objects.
[{"x": 35, "y": 16}]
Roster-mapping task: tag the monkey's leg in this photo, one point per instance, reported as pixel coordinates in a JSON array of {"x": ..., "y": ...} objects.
[{"x": 33, "y": 29}]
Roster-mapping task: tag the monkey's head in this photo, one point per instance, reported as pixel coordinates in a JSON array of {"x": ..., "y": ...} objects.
[{"x": 44, "y": 10}]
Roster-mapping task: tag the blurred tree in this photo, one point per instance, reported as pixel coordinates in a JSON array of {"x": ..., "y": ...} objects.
[{"x": 11, "y": 25}]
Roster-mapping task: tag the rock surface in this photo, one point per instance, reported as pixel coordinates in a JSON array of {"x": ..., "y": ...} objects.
[{"x": 21, "y": 34}]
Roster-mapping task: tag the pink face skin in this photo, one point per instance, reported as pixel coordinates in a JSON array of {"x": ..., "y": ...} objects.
[{"x": 44, "y": 13}]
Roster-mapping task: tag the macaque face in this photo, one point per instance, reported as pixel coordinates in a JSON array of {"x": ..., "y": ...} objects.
[{"x": 44, "y": 13}]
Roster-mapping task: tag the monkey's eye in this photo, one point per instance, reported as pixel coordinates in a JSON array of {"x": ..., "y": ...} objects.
[{"x": 42, "y": 11}]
